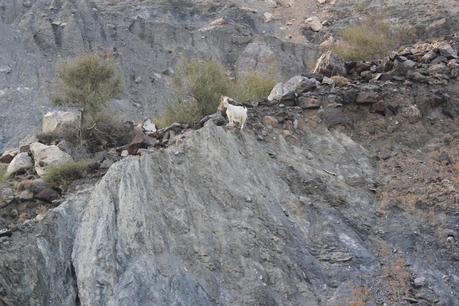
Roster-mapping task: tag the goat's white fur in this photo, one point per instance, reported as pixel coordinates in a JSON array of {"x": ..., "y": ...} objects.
[{"x": 235, "y": 113}]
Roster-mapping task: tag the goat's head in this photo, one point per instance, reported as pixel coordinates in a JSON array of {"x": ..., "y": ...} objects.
[{"x": 223, "y": 103}]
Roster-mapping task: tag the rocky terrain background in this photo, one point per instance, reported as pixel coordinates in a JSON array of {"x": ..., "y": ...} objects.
[
  {"x": 341, "y": 191},
  {"x": 150, "y": 36}
]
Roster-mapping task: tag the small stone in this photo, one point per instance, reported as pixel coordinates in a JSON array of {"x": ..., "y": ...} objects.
[
  {"x": 409, "y": 64},
  {"x": 268, "y": 17},
  {"x": 47, "y": 195},
  {"x": 107, "y": 163},
  {"x": 5, "y": 232},
  {"x": 327, "y": 81},
  {"x": 419, "y": 281},
  {"x": 309, "y": 103},
  {"x": 314, "y": 23},
  {"x": 367, "y": 97},
  {"x": 270, "y": 121},
  {"x": 429, "y": 56},
  {"x": 446, "y": 50},
  {"x": 124, "y": 153},
  {"x": 248, "y": 199},
  {"x": 25, "y": 195},
  {"x": 14, "y": 213}
]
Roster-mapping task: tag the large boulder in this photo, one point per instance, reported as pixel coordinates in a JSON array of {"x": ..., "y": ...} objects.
[
  {"x": 20, "y": 162},
  {"x": 46, "y": 156},
  {"x": 288, "y": 91},
  {"x": 330, "y": 64},
  {"x": 54, "y": 121}
]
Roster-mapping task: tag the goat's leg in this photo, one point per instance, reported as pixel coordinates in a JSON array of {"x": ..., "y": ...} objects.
[
  {"x": 230, "y": 123},
  {"x": 243, "y": 123}
]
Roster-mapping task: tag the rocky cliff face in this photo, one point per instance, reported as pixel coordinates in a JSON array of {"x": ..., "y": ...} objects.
[{"x": 225, "y": 218}]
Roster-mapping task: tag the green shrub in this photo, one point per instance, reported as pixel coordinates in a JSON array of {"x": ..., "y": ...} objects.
[
  {"x": 373, "y": 38},
  {"x": 88, "y": 81},
  {"x": 253, "y": 87},
  {"x": 63, "y": 174},
  {"x": 201, "y": 83},
  {"x": 179, "y": 111},
  {"x": 3, "y": 173}
]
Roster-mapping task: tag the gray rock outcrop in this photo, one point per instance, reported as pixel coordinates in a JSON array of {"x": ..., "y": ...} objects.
[{"x": 239, "y": 231}]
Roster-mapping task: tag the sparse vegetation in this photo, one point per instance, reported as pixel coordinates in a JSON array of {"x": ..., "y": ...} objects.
[
  {"x": 360, "y": 296},
  {"x": 398, "y": 278},
  {"x": 201, "y": 83},
  {"x": 2, "y": 173},
  {"x": 88, "y": 81},
  {"x": 373, "y": 38},
  {"x": 254, "y": 86},
  {"x": 105, "y": 132},
  {"x": 179, "y": 111},
  {"x": 63, "y": 174}
]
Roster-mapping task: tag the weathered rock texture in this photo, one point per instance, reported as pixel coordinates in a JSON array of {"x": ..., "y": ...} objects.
[
  {"x": 227, "y": 219},
  {"x": 215, "y": 222}
]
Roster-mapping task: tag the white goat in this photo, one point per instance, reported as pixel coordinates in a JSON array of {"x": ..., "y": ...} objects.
[{"x": 235, "y": 113}]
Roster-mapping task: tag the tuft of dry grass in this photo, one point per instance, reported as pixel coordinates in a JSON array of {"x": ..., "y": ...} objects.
[
  {"x": 63, "y": 174},
  {"x": 3, "y": 173},
  {"x": 340, "y": 81},
  {"x": 373, "y": 38}
]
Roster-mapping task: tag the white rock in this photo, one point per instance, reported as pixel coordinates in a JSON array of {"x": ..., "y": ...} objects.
[
  {"x": 328, "y": 81},
  {"x": 53, "y": 121},
  {"x": 419, "y": 281},
  {"x": 314, "y": 23},
  {"x": 276, "y": 93},
  {"x": 46, "y": 156},
  {"x": 148, "y": 126},
  {"x": 268, "y": 17},
  {"x": 22, "y": 161}
]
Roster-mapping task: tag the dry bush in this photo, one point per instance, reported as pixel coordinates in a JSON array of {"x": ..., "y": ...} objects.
[
  {"x": 106, "y": 132},
  {"x": 88, "y": 81},
  {"x": 62, "y": 175},
  {"x": 371, "y": 39},
  {"x": 253, "y": 86},
  {"x": 201, "y": 83},
  {"x": 179, "y": 111},
  {"x": 340, "y": 81}
]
